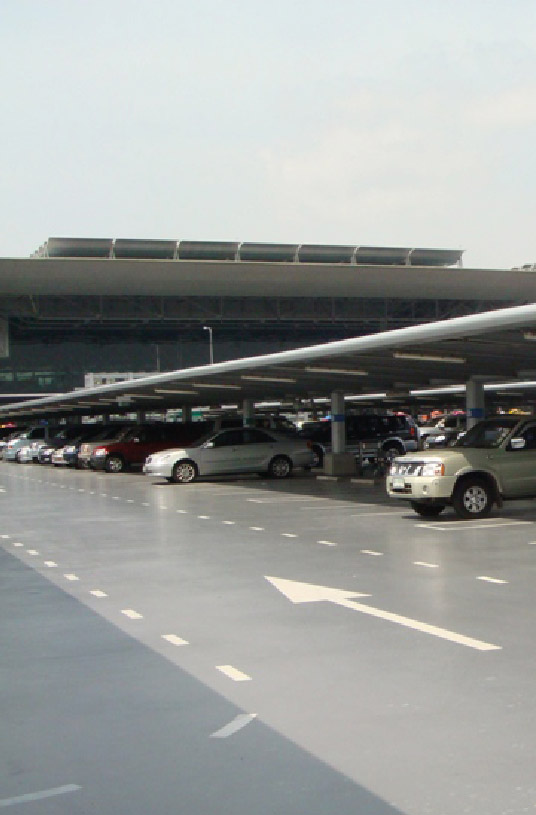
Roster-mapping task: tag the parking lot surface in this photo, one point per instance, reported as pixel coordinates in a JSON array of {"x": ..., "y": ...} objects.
[{"x": 254, "y": 646}]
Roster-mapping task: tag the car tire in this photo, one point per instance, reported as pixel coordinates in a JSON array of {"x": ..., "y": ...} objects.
[
  {"x": 184, "y": 471},
  {"x": 280, "y": 467},
  {"x": 427, "y": 510},
  {"x": 392, "y": 449},
  {"x": 115, "y": 464},
  {"x": 472, "y": 498}
]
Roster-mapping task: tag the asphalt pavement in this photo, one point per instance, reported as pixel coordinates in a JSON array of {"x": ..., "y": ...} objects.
[{"x": 250, "y": 646}]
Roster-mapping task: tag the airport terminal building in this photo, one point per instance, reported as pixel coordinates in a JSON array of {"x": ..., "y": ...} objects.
[{"x": 78, "y": 306}]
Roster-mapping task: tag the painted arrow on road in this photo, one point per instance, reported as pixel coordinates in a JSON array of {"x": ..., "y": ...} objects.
[{"x": 298, "y": 592}]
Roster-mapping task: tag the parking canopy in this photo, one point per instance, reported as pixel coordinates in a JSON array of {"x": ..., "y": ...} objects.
[{"x": 493, "y": 346}]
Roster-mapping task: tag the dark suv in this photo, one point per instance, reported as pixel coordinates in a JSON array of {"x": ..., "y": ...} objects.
[{"x": 366, "y": 434}]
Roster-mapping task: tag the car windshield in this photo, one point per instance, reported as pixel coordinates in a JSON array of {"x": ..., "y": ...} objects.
[{"x": 489, "y": 433}]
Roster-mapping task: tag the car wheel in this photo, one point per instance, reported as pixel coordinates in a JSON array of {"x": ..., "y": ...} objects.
[
  {"x": 472, "y": 498},
  {"x": 184, "y": 472},
  {"x": 427, "y": 510},
  {"x": 392, "y": 449},
  {"x": 318, "y": 454},
  {"x": 280, "y": 467},
  {"x": 115, "y": 464}
]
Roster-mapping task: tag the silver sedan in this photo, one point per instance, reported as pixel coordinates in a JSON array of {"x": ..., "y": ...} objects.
[{"x": 237, "y": 450}]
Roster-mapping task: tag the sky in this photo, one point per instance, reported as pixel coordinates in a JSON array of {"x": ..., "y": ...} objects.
[{"x": 356, "y": 122}]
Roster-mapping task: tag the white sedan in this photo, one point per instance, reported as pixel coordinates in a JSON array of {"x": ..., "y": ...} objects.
[{"x": 237, "y": 450}]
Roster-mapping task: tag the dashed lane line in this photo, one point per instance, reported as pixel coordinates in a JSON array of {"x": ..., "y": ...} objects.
[
  {"x": 426, "y": 565},
  {"x": 372, "y": 552},
  {"x": 131, "y": 614},
  {"x": 257, "y": 528},
  {"x": 288, "y": 535},
  {"x": 173, "y": 639},
  {"x": 233, "y": 673},
  {"x": 98, "y": 593},
  {"x": 51, "y": 564},
  {"x": 229, "y": 523},
  {"x": 38, "y": 796},
  {"x": 328, "y": 543},
  {"x": 32, "y": 552},
  {"x": 234, "y": 726},
  {"x": 491, "y": 579},
  {"x": 71, "y": 577}
]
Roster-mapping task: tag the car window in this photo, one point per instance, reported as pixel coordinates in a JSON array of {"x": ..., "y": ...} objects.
[
  {"x": 488, "y": 433},
  {"x": 229, "y": 438},
  {"x": 529, "y": 434},
  {"x": 254, "y": 436}
]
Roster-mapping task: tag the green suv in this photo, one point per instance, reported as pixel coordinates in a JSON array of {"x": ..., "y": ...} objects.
[{"x": 495, "y": 460}]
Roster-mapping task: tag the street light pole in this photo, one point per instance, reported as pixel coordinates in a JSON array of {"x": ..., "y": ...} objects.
[{"x": 209, "y": 329}]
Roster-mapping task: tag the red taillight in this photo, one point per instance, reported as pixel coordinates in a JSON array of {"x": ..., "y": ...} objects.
[
  {"x": 412, "y": 431},
  {"x": 310, "y": 445}
]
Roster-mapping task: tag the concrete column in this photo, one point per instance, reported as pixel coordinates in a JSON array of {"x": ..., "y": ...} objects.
[
  {"x": 339, "y": 462},
  {"x": 338, "y": 424},
  {"x": 248, "y": 412},
  {"x": 474, "y": 402},
  {"x": 186, "y": 413}
]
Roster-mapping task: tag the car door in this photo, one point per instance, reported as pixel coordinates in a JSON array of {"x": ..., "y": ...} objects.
[
  {"x": 517, "y": 467},
  {"x": 257, "y": 450},
  {"x": 221, "y": 454}
]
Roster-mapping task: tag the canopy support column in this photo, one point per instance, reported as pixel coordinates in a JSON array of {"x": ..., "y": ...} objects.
[
  {"x": 339, "y": 462},
  {"x": 475, "y": 401}
]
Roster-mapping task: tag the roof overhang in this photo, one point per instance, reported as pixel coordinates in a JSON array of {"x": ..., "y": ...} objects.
[{"x": 495, "y": 346}]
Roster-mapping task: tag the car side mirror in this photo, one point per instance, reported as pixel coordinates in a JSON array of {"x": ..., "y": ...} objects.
[{"x": 517, "y": 444}]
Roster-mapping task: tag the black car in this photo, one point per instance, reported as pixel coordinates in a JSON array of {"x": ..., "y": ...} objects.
[{"x": 366, "y": 434}]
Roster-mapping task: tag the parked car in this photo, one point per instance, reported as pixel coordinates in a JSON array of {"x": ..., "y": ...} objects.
[
  {"x": 110, "y": 433},
  {"x": 39, "y": 433},
  {"x": 238, "y": 450},
  {"x": 448, "y": 426},
  {"x": 141, "y": 440},
  {"x": 60, "y": 438},
  {"x": 366, "y": 433},
  {"x": 494, "y": 461},
  {"x": 68, "y": 455}
]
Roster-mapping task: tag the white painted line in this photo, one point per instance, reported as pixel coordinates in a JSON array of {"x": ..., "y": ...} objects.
[
  {"x": 145, "y": 504},
  {"x": 288, "y": 535},
  {"x": 491, "y": 579},
  {"x": 257, "y": 500},
  {"x": 5, "y": 537},
  {"x": 467, "y": 526},
  {"x": 92, "y": 492},
  {"x": 18, "y": 544},
  {"x": 32, "y": 551},
  {"x": 182, "y": 511},
  {"x": 51, "y": 564},
  {"x": 71, "y": 577},
  {"x": 530, "y": 543},
  {"x": 204, "y": 517},
  {"x": 2, "y": 489},
  {"x": 162, "y": 507},
  {"x": 237, "y": 724},
  {"x": 130, "y": 500},
  {"x": 104, "y": 495},
  {"x": 229, "y": 523},
  {"x": 81, "y": 490},
  {"x": 116, "y": 498},
  {"x": 174, "y": 640},
  {"x": 233, "y": 673},
  {"x": 328, "y": 543},
  {"x": 131, "y": 614},
  {"x": 257, "y": 528},
  {"x": 98, "y": 593},
  {"x": 37, "y": 796},
  {"x": 371, "y": 552},
  {"x": 426, "y": 565}
]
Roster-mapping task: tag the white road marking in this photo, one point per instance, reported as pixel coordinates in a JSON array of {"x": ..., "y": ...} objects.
[
  {"x": 145, "y": 504},
  {"x": 328, "y": 543},
  {"x": 32, "y": 551},
  {"x": 131, "y": 614},
  {"x": 116, "y": 498},
  {"x": 257, "y": 528},
  {"x": 98, "y": 593},
  {"x": 371, "y": 552},
  {"x": 204, "y": 517},
  {"x": 174, "y": 640},
  {"x": 237, "y": 724},
  {"x": 81, "y": 490},
  {"x": 298, "y": 592},
  {"x": 530, "y": 543},
  {"x": 427, "y": 565},
  {"x": 18, "y": 544},
  {"x": 92, "y": 492},
  {"x": 182, "y": 511},
  {"x": 71, "y": 577},
  {"x": 233, "y": 673},
  {"x": 5, "y": 537},
  {"x": 491, "y": 579},
  {"x": 466, "y": 526},
  {"x": 288, "y": 535},
  {"x": 51, "y": 564},
  {"x": 2, "y": 489},
  {"x": 104, "y": 495},
  {"x": 130, "y": 500},
  {"x": 37, "y": 796},
  {"x": 229, "y": 523}
]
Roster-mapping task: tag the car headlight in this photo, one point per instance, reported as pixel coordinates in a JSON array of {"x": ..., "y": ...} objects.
[
  {"x": 69, "y": 449},
  {"x": 100, "y": 451},
  {"x": 432, "y": 468}
]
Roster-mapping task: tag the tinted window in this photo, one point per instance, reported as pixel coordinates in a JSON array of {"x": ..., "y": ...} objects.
[
  {"x": 229, "y": 438},
  {"x": 253, "y": 436},
  {"x": 489, "y": 433}
]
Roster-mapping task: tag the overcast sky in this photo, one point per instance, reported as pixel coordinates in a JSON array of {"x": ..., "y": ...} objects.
[{"x": 372, "y": 122}]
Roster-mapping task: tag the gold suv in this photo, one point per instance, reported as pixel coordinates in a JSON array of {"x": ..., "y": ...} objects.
[{"x": 495, "y": 460}]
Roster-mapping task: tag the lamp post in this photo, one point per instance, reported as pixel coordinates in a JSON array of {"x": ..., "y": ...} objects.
[{"x": 209, "y": 329}]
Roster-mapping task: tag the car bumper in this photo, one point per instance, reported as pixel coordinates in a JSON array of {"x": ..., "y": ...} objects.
[
  {"x": 412, "y": 488},
  {"x": 97, "y": 462},
  {"x": 161, "y": 470}
]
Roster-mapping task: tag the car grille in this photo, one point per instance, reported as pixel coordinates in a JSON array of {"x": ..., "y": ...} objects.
[{"x": 407, "y": 468}]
